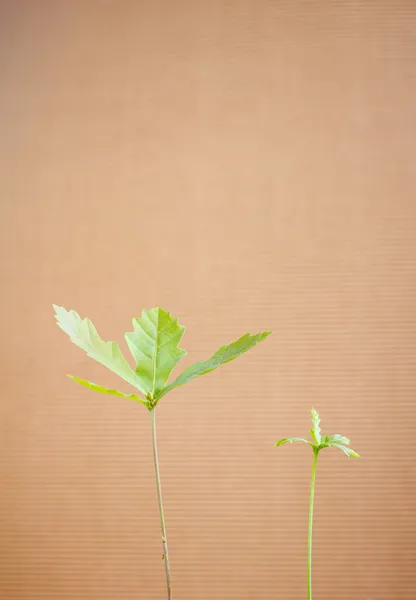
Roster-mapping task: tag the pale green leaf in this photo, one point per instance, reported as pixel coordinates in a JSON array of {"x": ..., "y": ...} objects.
[
  {"x": 83, "y": 334},
  {"x": 338, "y": 439},
  {"x": 316, "y": 430},
  {"x": 223, "y": 355},
  {"x": 104, "y": 390},
  {"x": 348, "y": 451},
  {"x": 154, "y": 345},
  {"x": 291, "y": 441}
]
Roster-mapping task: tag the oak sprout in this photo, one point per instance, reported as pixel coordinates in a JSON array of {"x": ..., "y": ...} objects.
[
  {"x": 317, "y": 444},
  {"x": 154, "y": 346}
]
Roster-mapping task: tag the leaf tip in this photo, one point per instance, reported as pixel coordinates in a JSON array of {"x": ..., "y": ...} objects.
[
  {"x": 281, "y": 442},
  {"x": 263, "y": 335}
]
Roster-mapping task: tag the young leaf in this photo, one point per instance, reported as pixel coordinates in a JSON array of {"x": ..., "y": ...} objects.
[
  {"x": 223, "y": 355},
  {"x": 338, "y": 439},
  {"x": 316, "y": 430},
  {"x": 154, "y": 345},
  {"x": 348, "y": 451},
  {"x": 291, "y": 441},
  {"x": 104, "y": 390},
  {"x": 83, "y": 334}
]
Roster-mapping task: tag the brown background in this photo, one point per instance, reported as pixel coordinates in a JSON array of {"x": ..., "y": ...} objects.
[{"x": 246, "y": 165}]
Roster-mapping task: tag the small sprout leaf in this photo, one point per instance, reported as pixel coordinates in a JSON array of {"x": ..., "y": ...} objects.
[
  {"x": 337, "y": 439},
  {"x": 291, "y": 441},
  {"x": 316, "y": 430},
  {"x": 104, "y": 390},
  {"x": 348, "y": 451}
]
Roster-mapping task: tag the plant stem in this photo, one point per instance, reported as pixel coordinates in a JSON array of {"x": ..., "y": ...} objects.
[
  {"x": 315, "y": 459},
  {"x": 161, "y": 513}
]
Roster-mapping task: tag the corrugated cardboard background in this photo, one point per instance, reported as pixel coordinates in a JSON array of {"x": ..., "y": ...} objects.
[{"x": 246, "y": 165}]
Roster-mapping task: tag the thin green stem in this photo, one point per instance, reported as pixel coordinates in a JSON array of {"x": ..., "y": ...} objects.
[
  {"x": 161, "y": 513},
  {"x": 315, "y": 459}
]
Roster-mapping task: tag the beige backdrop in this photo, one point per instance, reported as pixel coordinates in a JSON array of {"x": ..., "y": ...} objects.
[{"x": 246, "y": 165}]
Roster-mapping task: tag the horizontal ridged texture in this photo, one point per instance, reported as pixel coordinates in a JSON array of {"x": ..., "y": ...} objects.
[{"x": 249, "y": 166}]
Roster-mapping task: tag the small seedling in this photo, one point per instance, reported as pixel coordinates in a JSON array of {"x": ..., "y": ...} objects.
[
  {"x": 317, "y": 444},
  {"x": 154, "y": 346}
]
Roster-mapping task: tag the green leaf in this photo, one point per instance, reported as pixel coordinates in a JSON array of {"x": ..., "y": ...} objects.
[
  {"x": 223, "y": 355},
  {"x": 83, "y": 334},
  {"x": 291, "y": 441},
  {"x": 348, "y": 451},
  {"x": 104, "y": 390},
  {"x": 337, "y": 439},
  {"x": 154, "y": 345},
  {"x": 316, "y": 430}
]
